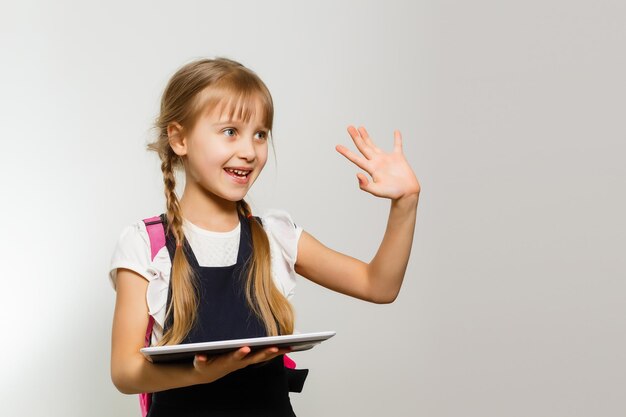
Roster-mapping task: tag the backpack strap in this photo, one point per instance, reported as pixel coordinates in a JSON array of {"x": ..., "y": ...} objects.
[{"x": 156, "y": 233}]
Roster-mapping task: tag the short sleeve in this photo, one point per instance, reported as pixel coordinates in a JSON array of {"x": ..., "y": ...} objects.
[
  {"x": 131, "y": 252},
  {"x": 283, "y": 235}
]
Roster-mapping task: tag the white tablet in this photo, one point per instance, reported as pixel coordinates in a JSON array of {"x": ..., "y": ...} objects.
[{"x": 186, "y": 352}]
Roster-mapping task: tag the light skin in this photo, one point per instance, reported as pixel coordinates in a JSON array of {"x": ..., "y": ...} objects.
[{"x": 210, "y": 150}]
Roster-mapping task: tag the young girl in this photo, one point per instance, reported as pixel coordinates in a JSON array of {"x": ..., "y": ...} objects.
[{"x": 224, "y": 273}]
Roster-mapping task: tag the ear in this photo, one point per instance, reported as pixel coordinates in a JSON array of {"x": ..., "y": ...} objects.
[{"x": 178, "y": 142}]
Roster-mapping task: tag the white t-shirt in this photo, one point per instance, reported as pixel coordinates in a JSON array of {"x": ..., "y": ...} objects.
[{"x": 211, "y": 249}]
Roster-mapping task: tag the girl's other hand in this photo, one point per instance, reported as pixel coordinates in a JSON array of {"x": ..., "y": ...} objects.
[
  {"x": 391, "y": 175},
  {"x": 212, "y": 368}
]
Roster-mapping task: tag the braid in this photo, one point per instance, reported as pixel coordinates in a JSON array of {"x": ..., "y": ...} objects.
[
  {"x": 174, "y": 216},
  {"x": 267, "y": 302},
  {"x": 244, "y": 208},
  {"x": 184, "y": 300}
]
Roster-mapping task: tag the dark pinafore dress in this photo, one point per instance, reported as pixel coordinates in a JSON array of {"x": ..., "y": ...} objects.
[{"x": 259, "y": 390}]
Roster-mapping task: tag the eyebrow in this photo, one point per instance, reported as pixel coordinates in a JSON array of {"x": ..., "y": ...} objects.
[{"x": 236, "y": 122}]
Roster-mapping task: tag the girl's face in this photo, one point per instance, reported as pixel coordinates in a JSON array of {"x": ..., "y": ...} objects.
[{"x": 226, "y": 156}]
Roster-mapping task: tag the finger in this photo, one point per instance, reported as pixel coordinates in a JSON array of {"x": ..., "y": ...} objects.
[
  {"x": 263, "y": 355},
  {"x": 284, "y": 351},
  {"x": 273, "y": 352},
  {"x": 360, "y": 142},
  {"x": 199, "y": 360},
  {"x": 363, "y": 181},
  {"x": 352, "y": 157},
  {"x": 367, "y": 139},
  {"x": 397, "y": 141},
  {"x": 242, "y": 352},
  {"x": 368, "y": 186}
]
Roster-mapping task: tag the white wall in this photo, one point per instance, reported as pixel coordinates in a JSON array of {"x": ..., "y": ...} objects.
[{"x": 513, "y": 119}]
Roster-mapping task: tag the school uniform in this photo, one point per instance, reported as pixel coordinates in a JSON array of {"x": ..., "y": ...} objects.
[{"x": 223, "y": 313}]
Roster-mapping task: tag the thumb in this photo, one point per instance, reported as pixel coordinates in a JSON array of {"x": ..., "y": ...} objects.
[
  {"x": 364, "y": 183},
  {"x": 367, "y": 185}
]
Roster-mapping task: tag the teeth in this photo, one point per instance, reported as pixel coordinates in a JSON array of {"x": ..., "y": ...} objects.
[{"x": 238, "y": 172}]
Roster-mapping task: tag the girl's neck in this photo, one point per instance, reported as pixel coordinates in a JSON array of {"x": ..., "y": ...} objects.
[{"x": 208, "y": 211}]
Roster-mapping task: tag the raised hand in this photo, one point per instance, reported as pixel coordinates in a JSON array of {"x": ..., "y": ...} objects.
[{"x": 391, "y": 175}]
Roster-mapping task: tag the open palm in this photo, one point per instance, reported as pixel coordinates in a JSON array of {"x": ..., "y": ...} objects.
[{"x": 391, "y": 175}]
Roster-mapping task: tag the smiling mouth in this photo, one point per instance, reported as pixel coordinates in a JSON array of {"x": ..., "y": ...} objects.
[{"x": 238, "y": 173}]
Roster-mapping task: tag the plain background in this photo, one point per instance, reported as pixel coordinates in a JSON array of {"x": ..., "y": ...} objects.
[{"x": 512, "y": 115}]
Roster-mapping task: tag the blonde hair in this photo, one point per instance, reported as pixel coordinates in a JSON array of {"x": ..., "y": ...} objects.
[{"x": 205, "y": 85}]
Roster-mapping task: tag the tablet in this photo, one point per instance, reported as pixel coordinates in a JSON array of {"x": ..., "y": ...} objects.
[{"x": 186, "y": 352}]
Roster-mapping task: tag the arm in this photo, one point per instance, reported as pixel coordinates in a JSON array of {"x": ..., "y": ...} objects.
[
  {"x": 132, "y": 373},
  {"x": 380, "y": 280}
]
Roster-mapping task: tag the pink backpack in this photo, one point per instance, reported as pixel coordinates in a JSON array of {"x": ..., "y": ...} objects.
[{"x": 156, "y": 233}]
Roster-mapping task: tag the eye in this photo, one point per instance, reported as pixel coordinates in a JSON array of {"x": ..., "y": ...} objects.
[
  {"x": 229, "y": 131},
  {"x": 262, "y": 135}
]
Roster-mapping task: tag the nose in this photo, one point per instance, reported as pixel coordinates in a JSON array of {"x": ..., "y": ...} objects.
[{"x": 246, "y": 149}]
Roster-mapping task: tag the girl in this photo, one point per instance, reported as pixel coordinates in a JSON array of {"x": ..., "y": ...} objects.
[{"x": 223, "y": 273}]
